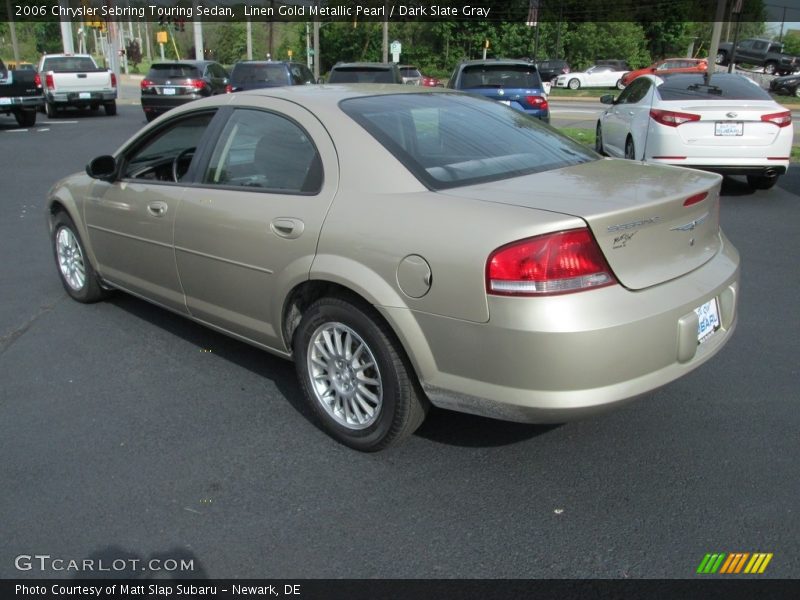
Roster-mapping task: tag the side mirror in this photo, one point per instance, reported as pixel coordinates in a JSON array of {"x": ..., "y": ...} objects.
[
  {"x": 103, "y": 167},
  {"x": 607, "y": 99}
]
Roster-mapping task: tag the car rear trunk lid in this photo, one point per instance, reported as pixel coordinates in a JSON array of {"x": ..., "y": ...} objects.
[{"x": 653, "y": 222}]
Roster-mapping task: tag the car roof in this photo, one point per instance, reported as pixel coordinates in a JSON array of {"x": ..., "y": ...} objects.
[
  {"x": 266, "y": 62},
  {"x": 192, "y": 63},
  {"x": 371, "y": 65},
  {"x": 497, "y": 61}
]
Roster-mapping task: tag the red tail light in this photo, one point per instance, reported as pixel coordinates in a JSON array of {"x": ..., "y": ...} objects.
[
  {"x": 113, "y": 80},
  {"x": 145, "y": 84},
  {"x": 48, "y": 81},
  {"x": 671, "y": 118},
  {"x": 539, "y": 102},
  {"x": 695, "y": 199},
  {"x": 781, "y": 119},
  {"x": 37, "y": 80},
  {"x": 556, "y": 263},
  {"x": 197, "y": 84},
  {"x": 229, "y": 89}
]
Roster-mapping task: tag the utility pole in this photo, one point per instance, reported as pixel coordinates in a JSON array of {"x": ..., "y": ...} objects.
[
  {"x": 13, "y": 29},
  {"x": 66, "y": 32},
  {"x": 198, "y": 38},
  {"x": 716, "y": 32},
  {"x": 249, "y": 39},
  {"x": 316, "y": 46},
  {"x": 385, "y": 42}
]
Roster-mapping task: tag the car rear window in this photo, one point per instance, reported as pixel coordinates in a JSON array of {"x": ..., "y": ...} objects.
[
  {"x": 722, "y": 86},
  {"x": 68, "y": 63},
  {"x": 361, "y": 75},
  {"x": 427, "y": 133},
  {"x": 274, "y": 74},
  {"x": 500, "y": 76},
  {"x": 410, "y": 72},
  {"x": 176, "y": 71}
]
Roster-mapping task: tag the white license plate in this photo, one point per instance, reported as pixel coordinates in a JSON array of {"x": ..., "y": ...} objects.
[
  {"x": 5, "y": 100},
  {"x": 506, "y": 102},
  {"x": 84, "y": 95},
  {"x": 708, "y": 320},
  {"x": 728, "y": 128},
  {"x": 169, "y": 91}
]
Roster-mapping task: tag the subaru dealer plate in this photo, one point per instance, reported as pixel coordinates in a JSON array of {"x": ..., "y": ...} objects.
[
  {"x": 708, "y": 320},
  {"x": 728, "y": 128},
  {"x": 169, "y": 91}
]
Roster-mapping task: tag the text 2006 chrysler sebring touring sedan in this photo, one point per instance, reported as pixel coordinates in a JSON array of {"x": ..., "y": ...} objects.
[{"x": 409, "y": 246}]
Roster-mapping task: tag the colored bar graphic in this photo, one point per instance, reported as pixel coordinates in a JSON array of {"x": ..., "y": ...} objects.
[{"x": 734, "y": 563}]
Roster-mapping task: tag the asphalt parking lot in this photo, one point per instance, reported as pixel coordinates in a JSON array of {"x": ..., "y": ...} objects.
[{"x": 130, "y": 433}]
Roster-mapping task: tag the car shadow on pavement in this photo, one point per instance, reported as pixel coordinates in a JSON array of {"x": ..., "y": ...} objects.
[
  {"x": 277, "y": 370},
  {"x": 441, "y": 426},
  {"x": 465, "y": 430}
]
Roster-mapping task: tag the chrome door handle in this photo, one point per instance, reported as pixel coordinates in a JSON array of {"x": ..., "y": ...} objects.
[
  {"x": 157, "y": 209},
  {"x": 288, "y": 228}
]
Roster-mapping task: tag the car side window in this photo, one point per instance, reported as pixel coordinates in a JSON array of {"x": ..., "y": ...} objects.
[
  {"x": 169, "y": 151},
  {"x": 259, "y": 149},
  {"x": 634, "y": 92}
]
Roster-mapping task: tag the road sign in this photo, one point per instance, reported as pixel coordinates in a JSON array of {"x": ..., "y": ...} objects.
[
  {"x": 161, "y": 37},
  {"x": 396, "y": 47}
]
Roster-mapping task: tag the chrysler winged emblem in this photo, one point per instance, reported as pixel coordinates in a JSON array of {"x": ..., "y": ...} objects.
[
  {"x": 691, "y": 225},
  {"x": 731, "y": 115}
]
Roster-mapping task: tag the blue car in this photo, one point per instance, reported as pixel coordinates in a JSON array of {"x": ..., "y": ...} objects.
[{"x": 513, "y": 82}]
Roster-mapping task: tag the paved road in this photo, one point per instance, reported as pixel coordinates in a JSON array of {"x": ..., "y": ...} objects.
[{"x": 127, "y": 432}]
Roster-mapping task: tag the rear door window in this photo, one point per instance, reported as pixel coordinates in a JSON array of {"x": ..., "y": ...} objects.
[
  {"x": 722, "y": 87},
  {"x": 174, "y": 71}
]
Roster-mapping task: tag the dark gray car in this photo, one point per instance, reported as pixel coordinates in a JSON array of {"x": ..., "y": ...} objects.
[{"x": 255, "y": 74}]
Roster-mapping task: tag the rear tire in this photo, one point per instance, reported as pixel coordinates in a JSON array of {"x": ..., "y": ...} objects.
[
  {"x": 762, "y": 182},
  {"x": 25, "y": 118},
  {"x": 797, "y": 91},
  {"x": 111, "y": 108},
  {"x": 150, "y": 116},
  {"x": 355, "y": 375},
  {"x": 770, "y": 67},
  {"x": 574, "y": 84},
  {"x": 630, "y": 149},
  {"x": 76, "y": 272},
  {"x": 50, "y": 110},
  {"x": 722, "y": 58}
]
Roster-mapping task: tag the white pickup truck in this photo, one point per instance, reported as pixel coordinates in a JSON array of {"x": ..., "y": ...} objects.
[{"x": 76, "y": 80}]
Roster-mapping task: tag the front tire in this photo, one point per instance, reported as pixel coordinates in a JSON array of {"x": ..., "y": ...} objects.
[
  {"x": 630, "y": 149},
  {"x": 762, "y": 182},
  {"x": 722, "y": 58},
  {"x": 598, "y": 139},
  {"x": 620, "y": 85},
  {"x": 355, "y": 376},
  {"x": 770, "y": 68},
  {"x": 76, "y": 272},
  {"x": 574, "y": 84}
]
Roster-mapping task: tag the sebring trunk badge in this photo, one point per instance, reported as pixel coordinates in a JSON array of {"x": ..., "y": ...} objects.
[{"x": 691, "y": 225}]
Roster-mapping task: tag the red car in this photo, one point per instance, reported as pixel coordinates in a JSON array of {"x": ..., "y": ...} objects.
[
  {"x": 669, "y": 65},
  {"x": 432, "y": 81}
]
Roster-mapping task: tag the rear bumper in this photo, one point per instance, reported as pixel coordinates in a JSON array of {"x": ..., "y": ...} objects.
[
  {"x": 159, "y": 104},
  {"x": 554, "y": 359},
  {"x": 778, "y": 167},
  {"x": 21, "y": 102},
  {"x": 81, "y": 98}
]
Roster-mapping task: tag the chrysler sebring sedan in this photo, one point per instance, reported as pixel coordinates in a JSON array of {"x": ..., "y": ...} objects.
[{"x": 403, "y": 259}]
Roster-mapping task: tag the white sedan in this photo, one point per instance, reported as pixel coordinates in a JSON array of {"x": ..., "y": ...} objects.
[
  {"x": 729, "y": 126},
  {"x": 596, "y": 76}
]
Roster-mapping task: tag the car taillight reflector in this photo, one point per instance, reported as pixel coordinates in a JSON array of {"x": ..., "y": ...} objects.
[
  {"x": 37, "y": 80},
  {"x": 113, "y": 80},
  {"x": 229, "y": 89},
  {"x": 197, "y": 84},
  {"x": 145, "y": 84},
  {"x": 539, "y": 102},
  {"x": 781, "y": 119},
  {"x": 671, "y": 118},
  {"x": 695, "y": 199},
  {"x": 49, "y": 82},
  {"x": 555, "y": 263}
]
